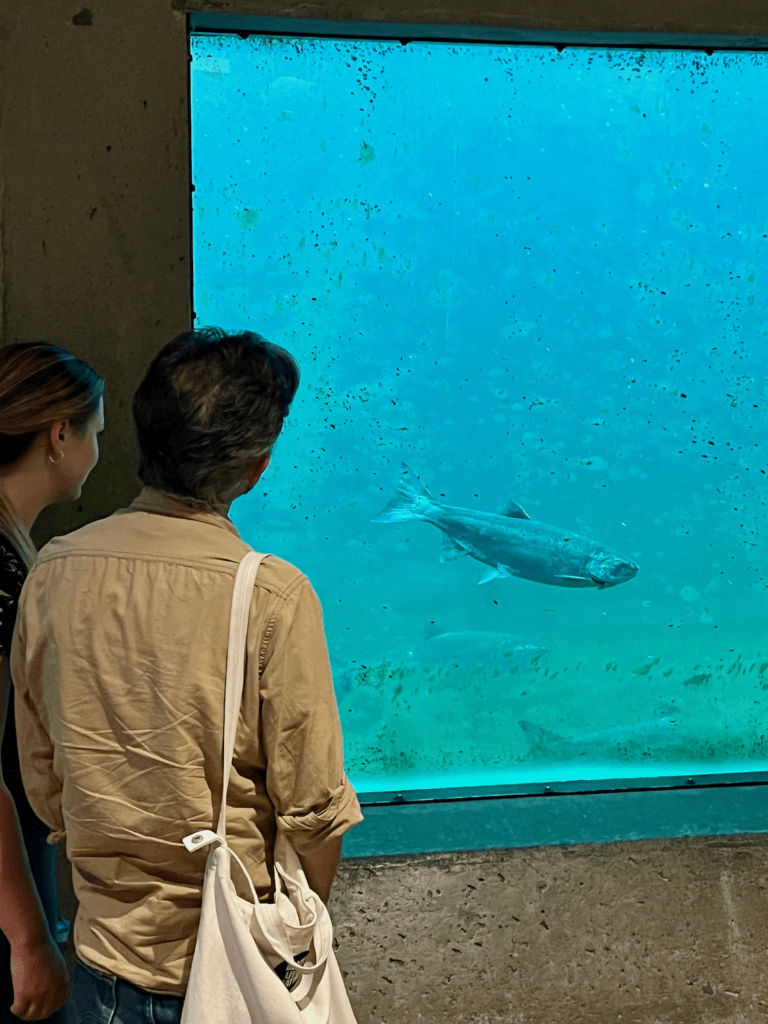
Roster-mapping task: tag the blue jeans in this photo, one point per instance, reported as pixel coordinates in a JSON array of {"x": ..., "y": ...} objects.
[{"x": 99, "y": 998}]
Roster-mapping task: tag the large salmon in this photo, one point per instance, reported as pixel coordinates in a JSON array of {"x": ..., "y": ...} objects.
[{"x": 512, "y": 544}]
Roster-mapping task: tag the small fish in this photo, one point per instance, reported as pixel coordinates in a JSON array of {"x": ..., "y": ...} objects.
[
  {"x": 470, "y": 647},
  {"x": 605, "y": 742},
  {"x": 512, "y": 544}
]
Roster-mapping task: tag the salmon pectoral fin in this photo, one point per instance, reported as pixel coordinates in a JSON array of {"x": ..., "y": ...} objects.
[
  {"x": 498, "y": 572},
  {"x": 452, "y": 549}
]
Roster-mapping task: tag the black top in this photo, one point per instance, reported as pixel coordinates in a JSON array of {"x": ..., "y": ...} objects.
[{"x": 13, "y": 572}]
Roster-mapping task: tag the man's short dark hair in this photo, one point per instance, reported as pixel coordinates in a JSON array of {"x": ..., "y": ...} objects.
[{"x": 210, "y": 404}]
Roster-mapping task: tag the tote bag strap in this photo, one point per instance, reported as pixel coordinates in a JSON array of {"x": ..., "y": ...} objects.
[{"x": 233, "y": 693}]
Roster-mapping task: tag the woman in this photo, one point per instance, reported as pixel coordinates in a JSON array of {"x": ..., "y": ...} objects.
[{"x": 51, "y": 409}]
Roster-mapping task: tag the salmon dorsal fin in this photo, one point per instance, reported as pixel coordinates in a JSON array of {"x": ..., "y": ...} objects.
[{"x": 514, "y": 511}]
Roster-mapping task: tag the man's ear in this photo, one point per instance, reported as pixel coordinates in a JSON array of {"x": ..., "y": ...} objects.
[{"x": 256, "y": 469}]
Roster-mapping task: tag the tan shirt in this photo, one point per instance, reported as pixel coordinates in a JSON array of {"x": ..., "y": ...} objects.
[{"x": 118, "y": 659}]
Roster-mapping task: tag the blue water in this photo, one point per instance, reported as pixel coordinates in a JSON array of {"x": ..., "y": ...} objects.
[{"x": 529, "y": 275}]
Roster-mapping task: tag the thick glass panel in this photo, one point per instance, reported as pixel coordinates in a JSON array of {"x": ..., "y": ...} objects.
[{"x": 509, "y": 275}]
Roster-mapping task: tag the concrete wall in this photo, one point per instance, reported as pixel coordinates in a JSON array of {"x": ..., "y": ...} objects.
[{"x": 95, "y": 255}]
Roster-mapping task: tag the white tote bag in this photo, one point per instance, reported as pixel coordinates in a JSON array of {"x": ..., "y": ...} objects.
[{"x": 258, "y": 963}]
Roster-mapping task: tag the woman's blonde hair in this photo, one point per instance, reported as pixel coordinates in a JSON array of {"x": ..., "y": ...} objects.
[{"x": 40, "y": 384}]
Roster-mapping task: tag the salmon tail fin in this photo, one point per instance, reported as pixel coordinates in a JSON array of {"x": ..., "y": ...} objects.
[{"x": 413, "y": 500}]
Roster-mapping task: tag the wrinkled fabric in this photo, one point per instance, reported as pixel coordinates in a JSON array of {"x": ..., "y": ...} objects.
[{"x": 118, "y": 660}]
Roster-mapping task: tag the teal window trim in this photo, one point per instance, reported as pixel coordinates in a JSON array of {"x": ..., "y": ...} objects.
[
  {"x": 572, "y": 812},
  {"x": 559, "y": 813},
  {"x": 412, "y": 827},
  {"x": 208, "y": 21},
  {"x": 571, "y": 787}
]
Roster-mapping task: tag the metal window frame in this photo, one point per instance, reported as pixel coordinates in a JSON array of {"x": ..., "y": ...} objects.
[{"x": 200, "y": 22}]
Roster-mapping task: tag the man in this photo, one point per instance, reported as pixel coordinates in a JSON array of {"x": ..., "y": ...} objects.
[{"x": 119, "y": 658}]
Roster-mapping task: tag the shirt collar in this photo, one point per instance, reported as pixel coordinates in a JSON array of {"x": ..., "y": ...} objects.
[{"x": 152, "y": 500}]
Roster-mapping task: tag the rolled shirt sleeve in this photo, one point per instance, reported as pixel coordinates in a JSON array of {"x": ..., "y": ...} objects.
[
  {"x": 301, "y": 732},
  {"x": 36, "y": 748}
]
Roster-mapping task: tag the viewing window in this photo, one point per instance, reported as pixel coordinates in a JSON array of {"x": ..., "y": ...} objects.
[{"x": 515, "y": 278}]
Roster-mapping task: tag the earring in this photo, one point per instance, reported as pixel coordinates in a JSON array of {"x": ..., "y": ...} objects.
[{"x": 57, "y": 461}]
